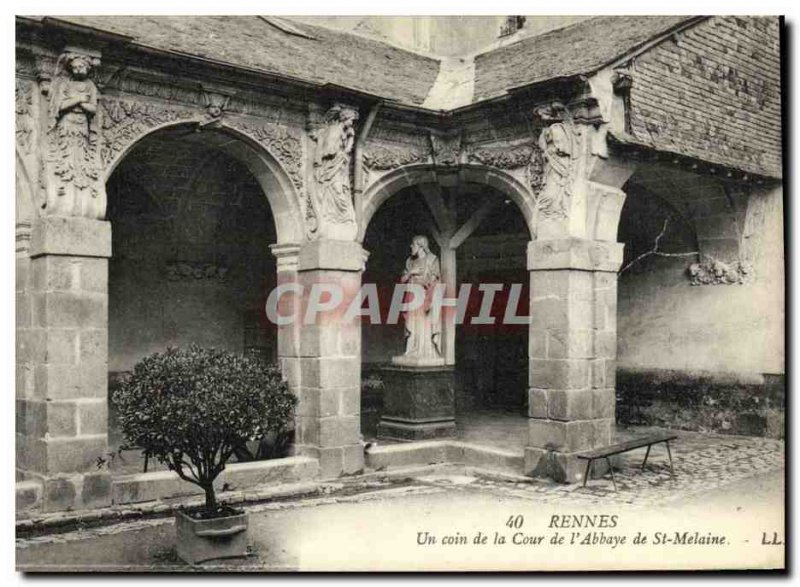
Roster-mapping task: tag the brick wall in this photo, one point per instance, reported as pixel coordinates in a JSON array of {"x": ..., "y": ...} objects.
[{"x": 713, "y": 91}]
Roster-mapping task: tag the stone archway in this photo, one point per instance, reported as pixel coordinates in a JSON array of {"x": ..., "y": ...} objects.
[
  {"x": 70, "y": 255},
  {"x": 388, "y": 185},
  {"x": 191, "y": 233},
  {"x": 281, "y": 187},
  {"x": 450, "y": 221}
]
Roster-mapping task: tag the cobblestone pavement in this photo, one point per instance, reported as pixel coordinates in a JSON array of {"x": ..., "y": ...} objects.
[
  {"x": 702, "y": 462},
  {"x": 706, "y": 466}
]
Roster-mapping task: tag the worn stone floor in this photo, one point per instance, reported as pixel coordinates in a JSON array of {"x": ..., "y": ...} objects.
[{"x": 371, "y": 522}]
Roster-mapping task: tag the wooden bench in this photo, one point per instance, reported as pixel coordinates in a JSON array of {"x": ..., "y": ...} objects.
[{"x": 614, "y": 449}]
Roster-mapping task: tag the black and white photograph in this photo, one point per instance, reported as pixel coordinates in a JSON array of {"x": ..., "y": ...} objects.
[{"x": 398, "y": 293}]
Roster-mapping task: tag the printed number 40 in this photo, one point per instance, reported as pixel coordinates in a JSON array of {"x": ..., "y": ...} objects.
[{"x": 515, "y": 521}]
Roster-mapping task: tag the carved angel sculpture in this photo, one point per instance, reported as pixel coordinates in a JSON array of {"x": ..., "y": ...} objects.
[
  {"x": 334, "y": 202},
  {"x": 75, "y": 188}
]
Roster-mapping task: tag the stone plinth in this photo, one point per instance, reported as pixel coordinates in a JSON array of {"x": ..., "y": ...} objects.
[{"x": 418, "y": 403}]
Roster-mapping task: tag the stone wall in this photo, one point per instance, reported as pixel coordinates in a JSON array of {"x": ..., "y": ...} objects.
[
  {"x": 725, "y": 403},
  {"x": 713, "y": 91},
  {"x": 665, "y": 322},
  {"x": 703, "y": 357}
]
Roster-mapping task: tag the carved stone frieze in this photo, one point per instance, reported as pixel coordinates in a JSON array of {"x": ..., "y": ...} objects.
[
  {"x": 528, "y": 157},
  {"x": 385, "y": 158},
  {"x": 126, "y": 120},
  {"x": 400, "y": 135},
  {"x": 267, "y": 109},
  {"x": 503, "y": 158},
  {"x": 156, "y": 88},
  {"x": 194, "y": 271},
  {"x": 714, "y": 272}
]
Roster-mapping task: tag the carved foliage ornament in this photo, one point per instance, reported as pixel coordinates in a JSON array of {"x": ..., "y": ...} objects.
[
  {"x": 714, "y": 272},
  {"x": 527, "y": 156},
  {"x": 384, "y": 158},
  {"x": 281, "y": 143},
  {"x": 126, "y": 121},
  {"x": 72, "y": 176}
]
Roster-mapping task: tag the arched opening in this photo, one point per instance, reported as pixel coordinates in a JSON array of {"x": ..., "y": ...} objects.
[
  {"x": 191, "y": 263},
  {"x": 490, "y": 235}
]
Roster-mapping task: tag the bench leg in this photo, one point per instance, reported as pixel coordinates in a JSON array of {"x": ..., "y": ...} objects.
[
  {"x": 647, "y": 454},
  {"x": 669, "y": 454},
  {"x": 588, "y": 471},
  {"x": 610, "y": 468}
]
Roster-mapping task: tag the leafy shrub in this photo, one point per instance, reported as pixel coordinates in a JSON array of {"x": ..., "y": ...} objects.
[{"x": 191, "y": 408}]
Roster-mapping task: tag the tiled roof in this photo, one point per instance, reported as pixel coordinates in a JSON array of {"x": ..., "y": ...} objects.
[
  {"x": 583, "y": 47},
  {"x": 328, "y": 57}
]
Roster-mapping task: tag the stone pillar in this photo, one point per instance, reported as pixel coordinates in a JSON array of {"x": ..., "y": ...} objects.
[
  {"x": 573, "y": 307},
  {"x": 62, "y": 404},
  {"x": 321, "y": 360}
]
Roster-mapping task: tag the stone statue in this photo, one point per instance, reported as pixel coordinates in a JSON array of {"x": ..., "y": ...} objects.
[
  {"x": 422, "y": 333},
  {"x": 555, "y": 143},
  {"x": 74, "y": 185},
  {"x": 333, "y": 202}
]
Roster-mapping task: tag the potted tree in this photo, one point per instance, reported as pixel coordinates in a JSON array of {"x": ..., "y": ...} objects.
[{"x": 190, "y": 409}]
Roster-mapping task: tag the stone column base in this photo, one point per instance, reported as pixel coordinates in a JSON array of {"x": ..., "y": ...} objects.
[
  {"x": 560, "y": 466},
  {"x": 418, "y": 403}
]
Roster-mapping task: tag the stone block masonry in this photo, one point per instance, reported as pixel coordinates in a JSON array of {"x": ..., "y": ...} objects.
[
  {"x": 571, "y": 400},
  {"x": 321, "y": 359},
  {"x": 62, "y": 407}
]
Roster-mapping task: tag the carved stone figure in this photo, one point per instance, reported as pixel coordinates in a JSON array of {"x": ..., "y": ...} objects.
[
  {"x": 423, "y": 334},
  {"x": 333, "y": 200},
  {"x": 555, "y": 142},
  {"x": 446, "y": 149},
  {"x": 74, "y": 186}
]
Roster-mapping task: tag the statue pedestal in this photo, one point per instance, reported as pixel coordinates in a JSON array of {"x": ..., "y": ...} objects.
[{"x": 418, "y": 402}]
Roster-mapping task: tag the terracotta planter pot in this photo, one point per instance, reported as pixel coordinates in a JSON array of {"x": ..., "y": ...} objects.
[{"x": 202, "y": 540}]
